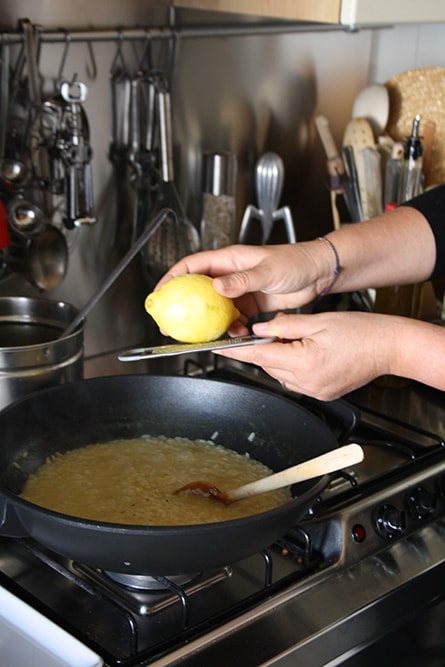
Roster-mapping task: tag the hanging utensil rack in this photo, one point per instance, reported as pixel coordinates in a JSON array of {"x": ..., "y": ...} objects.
[{"x": 166, "y": 32}]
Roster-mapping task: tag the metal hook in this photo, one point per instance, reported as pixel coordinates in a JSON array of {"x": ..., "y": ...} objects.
[
  {"x": 64, "y": 56},
  {"x": 17, "y": 69},
  {"x": 173, "y": 54},
  {"x": 146, "y": 52},
  {"x": 167, "y": 57},
  {"x": 39, "y": 42},
  {"x": 91, "y": 67},
  {"x": 118, "y": 55}
]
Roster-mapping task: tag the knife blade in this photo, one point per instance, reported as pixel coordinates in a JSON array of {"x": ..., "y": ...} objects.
[{"x": 173, "y": 349}]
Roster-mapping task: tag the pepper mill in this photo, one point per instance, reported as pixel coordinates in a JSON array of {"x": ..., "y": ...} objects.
[{"x": 219, "y": 200}]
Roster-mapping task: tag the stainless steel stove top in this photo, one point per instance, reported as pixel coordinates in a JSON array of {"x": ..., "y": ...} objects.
[{"x": 371, "y": 543}]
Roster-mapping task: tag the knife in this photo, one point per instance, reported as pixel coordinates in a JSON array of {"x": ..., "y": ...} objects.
[
  {"x": 173, "y": 349},
  {"x": 354, "y": 199}
]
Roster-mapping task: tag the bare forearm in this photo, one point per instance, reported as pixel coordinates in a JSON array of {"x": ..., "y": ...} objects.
[
  {"x": 418, "y": 352},
  {"x": 396, "y": 248}
]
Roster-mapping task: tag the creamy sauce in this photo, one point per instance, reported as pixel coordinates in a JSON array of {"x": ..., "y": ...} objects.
[{"x": 132, "y": 482}]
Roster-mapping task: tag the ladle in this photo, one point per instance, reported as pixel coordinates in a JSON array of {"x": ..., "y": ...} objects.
[
  {"x": 41, "y": 259},
  {"x": 25, "y": 217},
  {"x": 12, "y": 170},
  {"x": 126, "y": 259},
  {"x": 321, "y": 465},
  {"x": 48, "y": 258}
]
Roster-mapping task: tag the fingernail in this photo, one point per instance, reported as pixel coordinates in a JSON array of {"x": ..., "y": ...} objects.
[
  {"x": 225, "y": 282},
  {"x": 261, "y": 327}
]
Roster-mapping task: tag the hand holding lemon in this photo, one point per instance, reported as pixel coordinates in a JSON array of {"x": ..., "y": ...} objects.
[{"x": 190, "y": 310}]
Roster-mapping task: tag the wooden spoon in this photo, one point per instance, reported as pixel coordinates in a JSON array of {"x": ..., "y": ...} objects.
[
  {"x": 372, "y": 103},
  {"x": 320, "y": 465}
]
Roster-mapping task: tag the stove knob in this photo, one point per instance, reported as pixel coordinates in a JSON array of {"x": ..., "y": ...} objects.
[
  {"x": 389, "y": 521},
  {"x": 421, "y": 502}
]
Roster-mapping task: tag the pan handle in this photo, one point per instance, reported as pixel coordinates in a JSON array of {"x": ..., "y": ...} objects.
[{"x": 10, "y": 524}]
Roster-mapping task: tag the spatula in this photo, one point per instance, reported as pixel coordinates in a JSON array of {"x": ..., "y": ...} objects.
[{"x": 321, "y": 465}]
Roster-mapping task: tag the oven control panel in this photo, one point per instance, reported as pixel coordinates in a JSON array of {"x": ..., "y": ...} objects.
[
  {"x": 400, "y": 509},
  {"x": 417, "y": 504},
  {"x": 364, "y": 527}
]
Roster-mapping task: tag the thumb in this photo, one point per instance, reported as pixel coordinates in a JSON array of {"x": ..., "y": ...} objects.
[
  {"x": 286, "y": 326},
  {"x": 240, "y": 282}
]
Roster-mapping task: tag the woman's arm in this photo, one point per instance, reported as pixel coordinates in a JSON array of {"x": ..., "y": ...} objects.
[
  {"x": 395, "y": 248},
  {"x": 329, "y": 354}
]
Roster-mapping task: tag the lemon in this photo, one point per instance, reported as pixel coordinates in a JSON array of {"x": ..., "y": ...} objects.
[{"x": 190, "y": 310}]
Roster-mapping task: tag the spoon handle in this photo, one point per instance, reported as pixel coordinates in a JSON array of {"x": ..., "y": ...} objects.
[
  {"x": 321, "y": 465},
  {"x": 137, "y": 246}
]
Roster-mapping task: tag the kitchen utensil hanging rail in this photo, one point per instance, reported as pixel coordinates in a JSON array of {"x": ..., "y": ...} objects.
[{"x": 137, "y": 34}]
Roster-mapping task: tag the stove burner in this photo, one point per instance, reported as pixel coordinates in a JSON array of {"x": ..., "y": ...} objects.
[
  {"x": 134, "y": 620},
  {"x": 148, "y": 583}
]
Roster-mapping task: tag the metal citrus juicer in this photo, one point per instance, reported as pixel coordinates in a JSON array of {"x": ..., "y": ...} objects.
[{"x": 269, "y": 179}]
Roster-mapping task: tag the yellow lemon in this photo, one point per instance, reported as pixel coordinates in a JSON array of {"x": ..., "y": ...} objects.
[{"x": 190, "y": 310}]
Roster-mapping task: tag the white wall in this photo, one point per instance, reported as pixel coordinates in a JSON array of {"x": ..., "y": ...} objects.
[{"x": 406, "y": 47}]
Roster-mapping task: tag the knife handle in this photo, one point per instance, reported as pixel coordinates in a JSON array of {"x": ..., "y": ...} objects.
[{"x": 326, "y": 138}]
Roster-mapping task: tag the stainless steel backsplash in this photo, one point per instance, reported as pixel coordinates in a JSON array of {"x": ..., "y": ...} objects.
[{"x": 246, "y": 94}]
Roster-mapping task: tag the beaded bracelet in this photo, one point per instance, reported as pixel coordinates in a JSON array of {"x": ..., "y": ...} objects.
[{"x": 336, "y": 268}]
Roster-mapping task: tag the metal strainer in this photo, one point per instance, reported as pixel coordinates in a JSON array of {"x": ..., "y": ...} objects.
[{"x": 177, "y": 236}]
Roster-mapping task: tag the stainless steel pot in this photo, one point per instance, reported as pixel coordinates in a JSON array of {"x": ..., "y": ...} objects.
[{"x": 32, "y": 353}]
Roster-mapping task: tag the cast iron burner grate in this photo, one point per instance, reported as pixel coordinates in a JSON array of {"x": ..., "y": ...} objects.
[{"x": 130, "y": 626}]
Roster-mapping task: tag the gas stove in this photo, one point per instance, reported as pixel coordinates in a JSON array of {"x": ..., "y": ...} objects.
[{"x": 366, "y": 561}]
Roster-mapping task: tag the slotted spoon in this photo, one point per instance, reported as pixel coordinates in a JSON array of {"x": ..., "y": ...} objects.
[{"x": 321, "y": 465}]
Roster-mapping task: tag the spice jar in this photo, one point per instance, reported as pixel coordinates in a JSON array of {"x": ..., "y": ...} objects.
[{"x": 219, "y": 200}]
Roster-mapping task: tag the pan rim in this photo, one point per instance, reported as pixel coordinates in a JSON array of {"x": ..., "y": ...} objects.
[{"x": 18, "y": 503}]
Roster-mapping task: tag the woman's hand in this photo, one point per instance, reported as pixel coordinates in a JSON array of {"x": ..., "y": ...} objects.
[
  {"x": 324, "y": 355},
  {"x": 263, "y": 278}
]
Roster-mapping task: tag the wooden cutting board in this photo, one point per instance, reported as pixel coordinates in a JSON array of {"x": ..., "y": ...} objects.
[{"x": 420, "y": 91}]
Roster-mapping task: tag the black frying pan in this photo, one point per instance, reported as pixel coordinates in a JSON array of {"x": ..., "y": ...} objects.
[{"x": 73, "y": 415}]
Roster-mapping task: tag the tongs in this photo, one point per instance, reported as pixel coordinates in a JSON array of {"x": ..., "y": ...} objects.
[{"x": 269, "y": 178}]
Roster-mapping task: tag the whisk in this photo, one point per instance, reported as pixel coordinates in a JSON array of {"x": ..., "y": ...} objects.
[{"x": 177, "y": 236}]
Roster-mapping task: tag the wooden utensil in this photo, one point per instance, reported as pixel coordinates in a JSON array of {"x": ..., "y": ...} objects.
[
  {"x": 332, "y": 461},
  {"x": 334, "y": 164},
  {"x": 372, "y": 103},
  {"x": 360, "y": 136}
]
